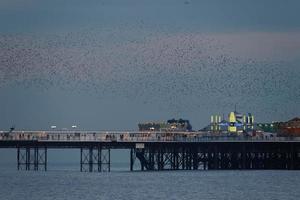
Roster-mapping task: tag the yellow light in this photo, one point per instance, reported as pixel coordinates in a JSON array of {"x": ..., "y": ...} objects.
[
  {"x": 216, "y": 119},
  {"x": 232, "y": 117},
  {"x": 232, "y": 129}
]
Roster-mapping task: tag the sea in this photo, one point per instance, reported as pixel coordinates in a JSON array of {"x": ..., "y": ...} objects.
[{"x": 64, "y": 181}]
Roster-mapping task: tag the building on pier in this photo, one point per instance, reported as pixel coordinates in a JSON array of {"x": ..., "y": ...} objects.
[
  {"x": 268, "y": 127},
  {"x": 235, "y": 123},
  {"x": 152, "y": 126},
  {"x": 170, "y": 125},
  {"x": 179, "y": 125},
  {"x": 290, "y": 128}
]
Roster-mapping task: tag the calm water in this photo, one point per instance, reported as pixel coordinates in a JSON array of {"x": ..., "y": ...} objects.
[
  {"x": 60, "y": 184},
  {"x": 64, "y": 181}
]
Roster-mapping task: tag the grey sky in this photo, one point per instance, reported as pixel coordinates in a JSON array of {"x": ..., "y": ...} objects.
[
  {"x": 110, "y": 64},
  {"x": 213, "y": 15}
]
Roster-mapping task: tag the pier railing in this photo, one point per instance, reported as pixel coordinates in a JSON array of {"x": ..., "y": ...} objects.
[{"x": 121, "y": 136}]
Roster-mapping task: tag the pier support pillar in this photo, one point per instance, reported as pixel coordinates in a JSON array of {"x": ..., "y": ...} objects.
[
  {"x": 32, "y": 158},
  {"x": 291, "y": 165},
  {"x": 94, "y": 159},
  {"x": 243, "y": 159},
  {"x": 131, "y": 159}
]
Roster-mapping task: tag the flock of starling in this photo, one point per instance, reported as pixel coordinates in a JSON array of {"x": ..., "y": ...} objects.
[{"x": 179, "y": 71}]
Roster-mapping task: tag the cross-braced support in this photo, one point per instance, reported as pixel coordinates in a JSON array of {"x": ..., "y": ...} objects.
[
  {"x": 163, "y": 158},
  {"x": 218, "y": 156},
  {"x": 94, "y": 159},
  {"x": 32, "y": 158}
]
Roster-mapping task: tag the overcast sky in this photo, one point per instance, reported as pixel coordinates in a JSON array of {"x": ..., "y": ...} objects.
[{"x": 113, "y": 63}]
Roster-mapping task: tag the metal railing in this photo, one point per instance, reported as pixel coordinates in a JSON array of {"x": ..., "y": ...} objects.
[{"x": 130, "y": 136}]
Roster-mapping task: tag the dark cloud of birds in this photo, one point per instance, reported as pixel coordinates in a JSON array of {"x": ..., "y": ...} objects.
[{"x": 181, "y": 71}]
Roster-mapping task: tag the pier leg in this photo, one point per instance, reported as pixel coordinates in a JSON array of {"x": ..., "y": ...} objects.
[
  {"x": 91, "y": 159},
  {"x": 189, "y": 159},
  {"x": 27, "y": 158},
  {"x": 105, "y": 160},
  {"x": 85, "y": 159},
  {"x": 18, "y": 158},
  {"x": 35, "y": 162},
  {"x": 173, "y": 159},
  {"x": 81, "y": 163},
  {"x": 99, "y": 159},
  {"x": 46, "y": 159},
  {"x": 216, "y": 158},
  {"x": 292, "y": 155},
  {"x": 94, "y": 159},
  {"x": 22, "y": 158},
  {"x": 244, "y": 158},
  {"x": 176, "y": 160},
  {"x": 195, "y": 160},
  {"x": 109, "y": 160},
  {"x": 40, "y": 158},
  {"x": 131, "y": 159},
  {"x": 183, "y": 159},
  {"x": 161, "y": 159},
  {"x": 31, "y": 158},
  {"x": 152, "y": 159}
]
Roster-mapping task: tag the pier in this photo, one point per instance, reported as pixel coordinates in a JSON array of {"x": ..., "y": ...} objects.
[{"x": 156, "y": 151}]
